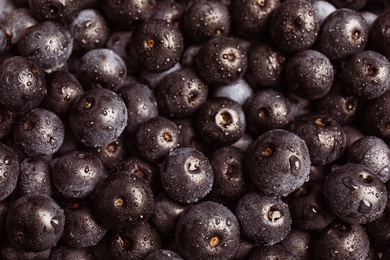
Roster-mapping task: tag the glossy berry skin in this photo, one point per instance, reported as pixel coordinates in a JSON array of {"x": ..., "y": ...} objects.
[
  {"x": 77, "y": 174},
  {"x": 140, "y": 102},
  {"x": 263, "y": 219},
  {"x": 98, "y": 117},
  {"x": 267, "y": 109},
  {"x": 309, "y": 74},
  {"x": 189, "y": 136},
  {"x": 186, "y": 175},
  {"x": 376, "y": 118},
  {"x": 136, "y": 243},
  {"x": 324, "y": 137},
  {"x": 340, "y": 240},
  {"x": 123, "y": 200},
  {"x": 129, "y": 13},
  {"x": 35, "y": 223},
  {"x": 344, "y": 33},
  {"x": 297, "y": 242},
  {"x": 163, "y": 254},
  {"x": 294, "y": 26},
  {"x": 101, "y": 68},
  {"x": 181, "y": 93},
  {"x": 231, "y": 180},
  {"x": 207, "y": 230},
  {"x": 17, "y": 22},
  {"x": 35, "y": 177},
  {"x": 166, "y": 213},
  {"x": 308, "y": 208},
  {"x": 156, "y": 45},
  {"x": 82, "y": 227},
  {"x": 366, "y": 75},
  {"x": 111, "y": 154},
  {"x": 204, "y": 20},
  {"x": 379, "y": 39},
  {"x": 355, "y": 194},
  {"x": 278, "y": 162},
  {"x": 251, "y": 18},
  {"x": 61, "y": 11},
  {"x": 23, "y": 84},
  {"x": 156, "y": 138},
  {"x": 342, "y": 106},
  {"x": 149, "y": 172},
  {"x": 266, "y": 65},
  {"x": 90, "y": 31},
  {"x": 39, "y": 132},
  {"x": 220, "y": 121},
  {"x": 9, "y": 171},
  {"x": 48, "y": 44},
  {"x": 373, "y": 153},
  {"x": 170, "y": 11},
  {"x": 62, "y": 89},
  {"x": 221, "y": 61}
]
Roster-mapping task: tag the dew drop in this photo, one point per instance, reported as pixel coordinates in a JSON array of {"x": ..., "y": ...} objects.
[
  {"x": 364, "y": 207},
  {"x": 295, "y": 165},
  {"x": 349, "y": 183}
]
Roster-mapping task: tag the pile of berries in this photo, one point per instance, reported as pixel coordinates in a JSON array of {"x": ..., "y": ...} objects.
[{"x": 194, "y": 129}]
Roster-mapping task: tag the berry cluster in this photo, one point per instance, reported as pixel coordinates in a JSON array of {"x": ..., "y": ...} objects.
[{"x": 194, "y": 129}]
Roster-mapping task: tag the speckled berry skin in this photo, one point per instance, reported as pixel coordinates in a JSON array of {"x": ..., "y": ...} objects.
[
  {"x": 208, "y": 230},
  {"x": 221, "y": 121},
  {"x": 82, "y": 227},
  {"x": 61, "y": 11},
  {"x": 267, "y": 109},
  {"x": 376, "y": 117},
  {"x": 101, "y": 68},
  {"x": 355, "y": 194},
  {"x": 263, "y": 219},
  {"x": 367, "y": 74},
  {"x": 156, "y": 137},
  {"x": 76, "y": 174},
  {"x": 310, "y": 74},
  {"x": 9, "y": 171},
  {"x": 35, "y": 223},
  {"x": 156, "y": 45},
  {"x": 250, "y": 18},
  {"x": 278, "y": 162},
  {"x": 140, "y": 102},
  {"x": 181, "y": 93},
  {"x": 22, "y": 84},
  {"x": 373, "y": 153},
  {"x": 308, "y": 209},
  {"x": 221, "y": 60},
  {"x": 123, "y": 200},
  {"x": 341, "y": 240},
  {"x": 98, "y": 117},
  {"x": 324, "y": 137},
  {"x": 204, "y": 20},
  {"x": 39, "y": 132},
  {"x": 48, "y": 44},
  {"x": 294, "y": 25},
  {"x": 90, "y": 31},
  {"x": 187, "y": 175},
  {"x": 343, "y": 33},
  {"x": 127, "y": 14}
]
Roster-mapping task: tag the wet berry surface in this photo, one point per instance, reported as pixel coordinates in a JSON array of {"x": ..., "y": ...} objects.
[{"x": 194, "y": 129}]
